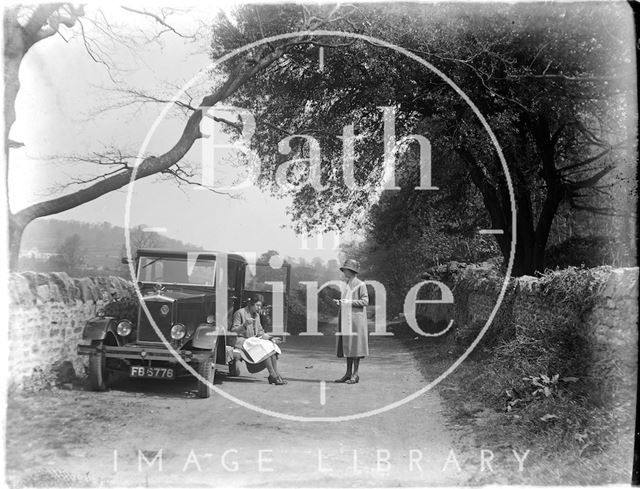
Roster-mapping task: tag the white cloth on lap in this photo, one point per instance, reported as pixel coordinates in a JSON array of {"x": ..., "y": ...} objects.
[{"x": 256, "y": 349}]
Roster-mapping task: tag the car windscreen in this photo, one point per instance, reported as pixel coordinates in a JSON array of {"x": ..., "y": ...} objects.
[{"x": 169, "y": 270}]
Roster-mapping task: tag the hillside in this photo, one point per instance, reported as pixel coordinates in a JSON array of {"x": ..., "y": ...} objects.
[{"x": 98, "y": 247}]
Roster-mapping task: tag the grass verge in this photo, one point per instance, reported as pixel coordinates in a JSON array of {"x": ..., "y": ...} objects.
[{"x": 494, "y": 407}]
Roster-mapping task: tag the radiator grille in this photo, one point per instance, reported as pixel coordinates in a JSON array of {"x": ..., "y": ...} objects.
[{"x": 145, "y": 329}]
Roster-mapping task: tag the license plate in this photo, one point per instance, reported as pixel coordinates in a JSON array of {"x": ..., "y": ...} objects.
[{"x": 151, "y": 372}]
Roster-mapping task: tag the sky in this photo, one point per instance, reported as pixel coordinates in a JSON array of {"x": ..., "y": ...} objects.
[{"x": 69, "y": 105}]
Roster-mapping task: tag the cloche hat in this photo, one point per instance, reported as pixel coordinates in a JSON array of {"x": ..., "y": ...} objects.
[{"x": 352, "y": 265}]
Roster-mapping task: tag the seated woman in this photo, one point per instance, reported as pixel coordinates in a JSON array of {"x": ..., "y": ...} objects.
[{"x": 259, "y": 350}]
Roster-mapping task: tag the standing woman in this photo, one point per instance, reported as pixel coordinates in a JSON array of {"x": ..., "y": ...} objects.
[{"x": 353, "y": 339}]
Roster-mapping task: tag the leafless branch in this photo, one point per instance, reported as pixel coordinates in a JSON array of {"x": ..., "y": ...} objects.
[
  {"x": 182, "y": 176},
  {"x": 165, "y": 162},
  {"x": 603, "y": 211},
  {"x": 83, "y": 181},
  {"x": 595, "y": 157},
  {"x": 90, "y": 51},
  {"x": 559, "y": 76},
  {"x": 160, "y": 20},
  {"x": 14, "y": 144},
  {"x": 591, "y": 181},
  {"x": 139, "y": 97}
]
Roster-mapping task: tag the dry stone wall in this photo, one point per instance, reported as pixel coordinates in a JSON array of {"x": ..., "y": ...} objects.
[
  {"x": 611, "y": 313},
  {"x": 47, "y": 312}
]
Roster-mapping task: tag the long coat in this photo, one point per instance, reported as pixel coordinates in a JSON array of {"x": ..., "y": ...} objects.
[
  {"x": 353, "y": 319},
  {"x": 243, "y": 330}
]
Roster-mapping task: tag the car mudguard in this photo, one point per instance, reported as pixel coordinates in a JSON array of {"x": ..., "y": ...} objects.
[
  {"x": 97, "y": 328},
  {"x": 205, "y": 337}
]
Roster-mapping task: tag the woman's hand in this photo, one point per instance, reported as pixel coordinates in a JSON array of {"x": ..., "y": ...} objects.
[
  {"x": 276, "y": 340},
  {"x": 337, "y": 301}
]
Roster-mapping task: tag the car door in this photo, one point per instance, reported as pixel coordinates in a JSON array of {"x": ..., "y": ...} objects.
[{"x": 234, "y": 288}]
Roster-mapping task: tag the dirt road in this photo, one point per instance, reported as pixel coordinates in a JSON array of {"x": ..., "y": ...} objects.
[{"x": 90, "y": 438}]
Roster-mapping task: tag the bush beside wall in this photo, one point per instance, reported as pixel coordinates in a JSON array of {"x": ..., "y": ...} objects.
[
  {"x": 560, "y": 358},
  {"x": 556, "y": 370},
  {"x": 594, "y": 312}
]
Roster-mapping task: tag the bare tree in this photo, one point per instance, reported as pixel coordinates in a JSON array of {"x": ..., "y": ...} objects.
[{"x": 25, "y": 26}]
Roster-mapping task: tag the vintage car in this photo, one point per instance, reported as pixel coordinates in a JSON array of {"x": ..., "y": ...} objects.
[{"x": 179, "y": 292}]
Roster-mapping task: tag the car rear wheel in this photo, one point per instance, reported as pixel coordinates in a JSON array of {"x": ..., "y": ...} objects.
[
  {"x": 98, "y": 374},
  {"x": 208, "y": 372}
]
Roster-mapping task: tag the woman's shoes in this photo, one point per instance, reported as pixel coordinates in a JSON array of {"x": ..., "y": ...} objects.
[
  {"x": 277, "y": 380},
  {"x": 348, "y": 379}
]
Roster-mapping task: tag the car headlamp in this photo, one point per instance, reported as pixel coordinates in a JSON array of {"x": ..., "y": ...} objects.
[
  {"x": 124, "y": 328},
  {"x": 178, "y": 331},
  {"x": 211, "y": 319},
  {"x": 100, "y": 313}
]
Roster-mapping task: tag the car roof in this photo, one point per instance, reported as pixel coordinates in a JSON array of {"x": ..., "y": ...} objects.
[{"x": 183, "y": 253}]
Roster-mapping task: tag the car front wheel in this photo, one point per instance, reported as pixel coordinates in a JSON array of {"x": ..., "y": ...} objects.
[
  {"x": 208, "y": 372},
  {"x": 98, "y": 375}
]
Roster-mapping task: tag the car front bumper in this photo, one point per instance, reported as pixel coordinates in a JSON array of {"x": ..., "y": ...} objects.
[{"x": 144, "y": 353}]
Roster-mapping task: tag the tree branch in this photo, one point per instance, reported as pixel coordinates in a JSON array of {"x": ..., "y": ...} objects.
[
  {"x": 152, "y": 164},
  {"x": 591, "y": 181},
  {"x": 46, "y": 19},
  {"x": 603, "y": 211},
  {"x": 37, "y": 20},
  {"x": 558, "y": 76},
  {"x": 490, "y": 197},
  {"x": 182, "y": 176},
  {"x": 593, "y": 158},
  {"x": 160, "y": 20}
]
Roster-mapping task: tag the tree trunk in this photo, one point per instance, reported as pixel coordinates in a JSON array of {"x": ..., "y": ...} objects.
[
  {"x": 555, "y": 194},
  {"x": 16, "y": 228},
  {"x": 498, "y": 204},
  {"x": 523, "y": 259},
  {"x": 14, "y": 50}
]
